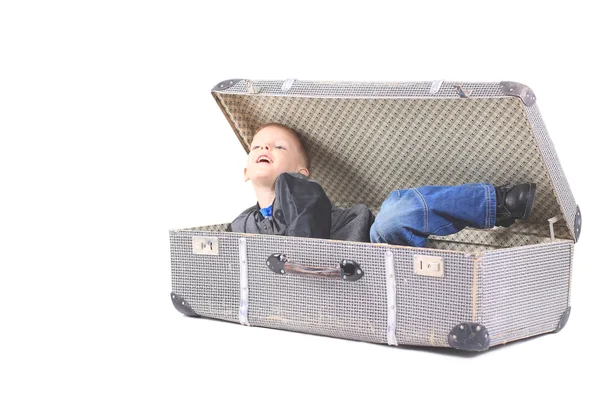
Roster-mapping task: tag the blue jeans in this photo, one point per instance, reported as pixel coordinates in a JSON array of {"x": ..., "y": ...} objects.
[{"x": 409, "y": 216}]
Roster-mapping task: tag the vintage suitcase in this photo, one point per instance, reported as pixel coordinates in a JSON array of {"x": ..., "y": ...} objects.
[{"x": 470, "y": 291}]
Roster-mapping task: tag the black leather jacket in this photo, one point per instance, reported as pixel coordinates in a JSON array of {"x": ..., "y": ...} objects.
[{"x": 301, "y": 208}]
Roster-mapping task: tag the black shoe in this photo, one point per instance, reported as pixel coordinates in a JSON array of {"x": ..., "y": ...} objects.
[{"x": 514, "y": 203}]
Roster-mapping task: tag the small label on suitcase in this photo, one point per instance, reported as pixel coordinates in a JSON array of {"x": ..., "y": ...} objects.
[
  {"x": 205, "y": 245},
  {"x": 429, "y": 265}
]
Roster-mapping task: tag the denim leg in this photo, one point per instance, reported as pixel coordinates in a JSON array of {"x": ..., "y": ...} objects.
[{"x": 409, "y": 216}]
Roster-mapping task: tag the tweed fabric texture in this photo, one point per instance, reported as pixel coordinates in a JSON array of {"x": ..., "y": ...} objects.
[
  {"x": 350, "y": 310},
  {"x": 340, "y": 89},
  {"x": 214, "y": 228},
  {"x": 515, "y": 292},
  {"x": 210, "y": 284},
  {"x": 525, "y": 290},
  {"x": 379, "y": 152},
  {"x": 368, "y": 139},
  {"x": 561, "y": 186}
]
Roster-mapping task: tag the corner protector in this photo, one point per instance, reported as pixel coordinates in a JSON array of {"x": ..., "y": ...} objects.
[
  {"x": 469, "y": 336},
  {"x": 563, "y": 320},
  {"x": 577, "y": 224},
  {"x": 517, "y": 89},
  {"x": 224, "y": 85},
  {"x": 182, "y": 305}
]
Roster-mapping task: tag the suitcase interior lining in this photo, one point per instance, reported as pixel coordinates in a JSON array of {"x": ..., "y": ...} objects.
[{"x": 362, "y": 149}]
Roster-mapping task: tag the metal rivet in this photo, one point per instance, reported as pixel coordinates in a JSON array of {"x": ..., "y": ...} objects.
[
  {"x": 231, "y": 82},
  {"x": 183, "y": 303},
  {"x": 173, "y": 296},
  {"x": 478, "y": 328},
  {"x": 282, "y": 271},
  {"x": 462, "y": 327},
  {"x": 344, "y": 262},
  {"x": 454, "y": 337},
  {"x": 221, "y": 85},
  {"x": 344, "y": 276},
  {"x": 268, "y": 263},
  {"x": 511, "y": 89},
  {"x": 359, "y": 272}
]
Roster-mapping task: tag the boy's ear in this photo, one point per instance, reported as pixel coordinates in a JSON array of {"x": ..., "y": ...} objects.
[
  {"x": 303, "y": 171},
  {"x": 246, "y": 179}
]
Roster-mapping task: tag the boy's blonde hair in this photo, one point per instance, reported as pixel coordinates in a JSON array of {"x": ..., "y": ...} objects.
[{"x": 303, "y": 151}]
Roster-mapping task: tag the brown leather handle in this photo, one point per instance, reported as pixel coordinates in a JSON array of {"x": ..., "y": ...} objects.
[
  {"x": 348, "y": 270},
  {"x": 321, "y": 272}
]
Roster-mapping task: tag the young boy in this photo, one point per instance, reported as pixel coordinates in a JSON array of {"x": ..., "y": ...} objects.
[{"x": 290, "y": 204}]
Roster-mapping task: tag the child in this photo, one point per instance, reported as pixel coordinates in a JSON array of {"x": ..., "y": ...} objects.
[{"x": 290, "y": 204}]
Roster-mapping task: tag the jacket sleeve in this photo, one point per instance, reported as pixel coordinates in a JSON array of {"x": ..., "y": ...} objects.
[
  {"x": 245, "y": 222},
  {"x": 305, "y": 206},
  {"x": 352, "y": 223}
]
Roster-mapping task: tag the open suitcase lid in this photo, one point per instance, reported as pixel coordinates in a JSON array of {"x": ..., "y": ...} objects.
[{"x": 366, "y": 139}]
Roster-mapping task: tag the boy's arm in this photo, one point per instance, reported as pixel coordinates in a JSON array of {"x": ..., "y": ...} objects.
[{"x": 305, "y": 207}]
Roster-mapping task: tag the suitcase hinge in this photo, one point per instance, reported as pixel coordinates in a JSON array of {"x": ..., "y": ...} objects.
[
  {"x": 577, "y": 226},
  {"x": 464, "y": 93},
  {"x": 252, "y": 88}
]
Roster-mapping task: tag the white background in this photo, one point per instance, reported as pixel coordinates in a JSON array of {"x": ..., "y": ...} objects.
[{"x": 109, "y": 137}]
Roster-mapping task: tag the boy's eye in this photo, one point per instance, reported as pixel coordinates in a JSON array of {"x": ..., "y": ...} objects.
[{"x": 277, "y": 147}]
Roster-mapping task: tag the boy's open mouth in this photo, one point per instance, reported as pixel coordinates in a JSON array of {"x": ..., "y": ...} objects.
[{"x": 264, "y": 159}]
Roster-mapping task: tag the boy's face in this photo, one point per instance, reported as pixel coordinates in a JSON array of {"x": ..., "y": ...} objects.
[{"x": 274, "y": 150}]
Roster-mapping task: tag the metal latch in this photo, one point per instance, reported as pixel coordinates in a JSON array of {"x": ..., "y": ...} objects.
[
  {"x": 205, "y": 245},
  {"x": 428, "y": 265}
]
